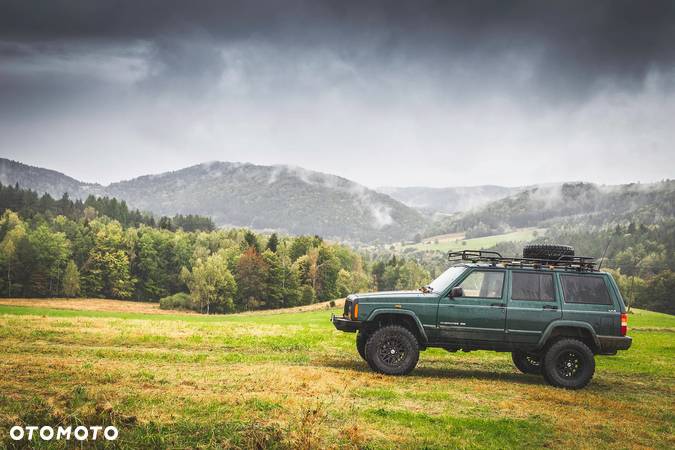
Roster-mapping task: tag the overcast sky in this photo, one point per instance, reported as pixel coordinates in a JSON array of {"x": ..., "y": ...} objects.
[{"x": 385, "y": 93}]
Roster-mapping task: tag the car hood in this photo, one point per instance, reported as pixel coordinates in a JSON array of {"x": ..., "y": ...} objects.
[{"x": 387, "y": 295}]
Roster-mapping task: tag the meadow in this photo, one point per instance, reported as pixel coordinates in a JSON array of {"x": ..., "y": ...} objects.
[
  {"x": 456, "y": 241},
  {"x": 173, "y": 380}
]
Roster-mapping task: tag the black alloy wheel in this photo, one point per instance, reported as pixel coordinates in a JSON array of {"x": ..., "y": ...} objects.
[
  {"x": 392, "y": 350},
  {"x": 569, "y": 363}
]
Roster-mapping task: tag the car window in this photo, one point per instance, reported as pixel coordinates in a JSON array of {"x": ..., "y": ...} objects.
[
  {"x": 483, "y": 284},
  {"x": 446, "y": 279},
  {"x": 579, "y": 289},
  {"x": 532, "y": 286}
]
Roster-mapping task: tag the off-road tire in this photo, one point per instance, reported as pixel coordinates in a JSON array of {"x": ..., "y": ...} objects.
[
  {"x": 569, "y": 364},
  {"x": 547, "y": 251},
  {"x": 527, "y": 362},
  {"x": 361, "y": 340},
  {"x": 392, "y": 350}
]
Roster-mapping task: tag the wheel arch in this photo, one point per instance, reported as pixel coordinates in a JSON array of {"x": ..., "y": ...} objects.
[
  {"x": 572, "y": 329},
  {"x": 407, "y": 319}
]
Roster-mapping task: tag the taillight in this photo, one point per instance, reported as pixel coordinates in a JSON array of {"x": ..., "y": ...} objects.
[
  {"x": 624, "y": 324},
  {"x": 355, "y": 312}
]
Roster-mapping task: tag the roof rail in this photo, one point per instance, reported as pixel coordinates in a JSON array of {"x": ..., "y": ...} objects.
[{"x": 577, "y": 263}]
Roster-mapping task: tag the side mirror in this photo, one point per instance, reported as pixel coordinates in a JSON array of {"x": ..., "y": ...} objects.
[{"x": 456, "y": 292}]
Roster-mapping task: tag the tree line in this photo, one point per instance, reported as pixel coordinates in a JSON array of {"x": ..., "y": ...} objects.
[
  {"x": 30, "y": 205},
  {"x": 85, "y": 253}
]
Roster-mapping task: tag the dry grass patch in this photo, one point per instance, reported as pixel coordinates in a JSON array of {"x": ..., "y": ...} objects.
[{"x": 89, "y": 304}]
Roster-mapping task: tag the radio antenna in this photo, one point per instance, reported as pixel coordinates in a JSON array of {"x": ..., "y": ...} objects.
[{"x": 602, "y": 260}]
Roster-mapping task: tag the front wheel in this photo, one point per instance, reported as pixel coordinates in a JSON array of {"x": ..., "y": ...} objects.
[
  {"x": 392, "y": 350},
  {"x": 569, "y": 364},
  {"x": 361, "y": 339},
  {"x": 527, "y": 362}
]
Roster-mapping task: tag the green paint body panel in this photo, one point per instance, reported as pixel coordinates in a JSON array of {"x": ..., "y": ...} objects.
[{"x": 494, "y": 322}]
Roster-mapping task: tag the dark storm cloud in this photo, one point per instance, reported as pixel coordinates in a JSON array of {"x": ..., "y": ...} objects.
[
  {"x": 572, "y": 44},
  {"x": 518, "y": 89}
]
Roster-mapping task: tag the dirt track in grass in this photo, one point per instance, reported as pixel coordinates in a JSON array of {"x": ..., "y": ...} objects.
[{"x": 128, "y": 306}]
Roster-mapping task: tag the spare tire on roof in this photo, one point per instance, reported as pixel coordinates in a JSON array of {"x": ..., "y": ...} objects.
[{"x": 548, "y": 251}]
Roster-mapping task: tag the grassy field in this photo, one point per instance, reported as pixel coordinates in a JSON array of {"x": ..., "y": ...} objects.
[
  {"x": 454, "y": 241},
  {"x": 292, "y": 381}
]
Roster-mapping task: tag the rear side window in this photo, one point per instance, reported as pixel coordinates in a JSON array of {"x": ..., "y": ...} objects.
[
  {"x": 532, "y": 286},
  {"x": 578, "y": 289}
]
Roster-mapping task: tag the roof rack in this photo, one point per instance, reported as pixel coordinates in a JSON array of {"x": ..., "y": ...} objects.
[{"x": 577, "y": 263}]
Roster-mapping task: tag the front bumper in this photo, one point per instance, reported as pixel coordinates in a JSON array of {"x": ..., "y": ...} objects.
[
  {"x": 611, "y": 344},
  {"x": 342, "y": 324}
]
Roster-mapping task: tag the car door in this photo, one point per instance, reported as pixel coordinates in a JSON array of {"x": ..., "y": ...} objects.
[
  {"x": 480, "y": 313},
  {"x": 532, "y": 305}
]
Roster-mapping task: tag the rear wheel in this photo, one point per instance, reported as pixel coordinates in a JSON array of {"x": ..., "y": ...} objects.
[
  {"x": 527, "y": 362},
  {"x": 569, "y": 364},
  {"x": 361, "y": 339},
  {"x": 392, "y": 350}
]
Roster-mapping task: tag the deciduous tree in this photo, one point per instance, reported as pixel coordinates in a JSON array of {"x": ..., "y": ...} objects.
[{"x": 71, "y": 280}]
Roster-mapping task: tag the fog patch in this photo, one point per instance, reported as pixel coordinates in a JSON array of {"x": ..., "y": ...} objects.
[{"x": 366, "y": 198}]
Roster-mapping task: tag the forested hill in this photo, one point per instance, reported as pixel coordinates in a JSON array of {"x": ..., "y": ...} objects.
[
  {"x": 293, "y": 200},
  {"x": 577, "y": 202},
  {"x": 288, "y": 199},
  {"x": 44, "y": 181}
]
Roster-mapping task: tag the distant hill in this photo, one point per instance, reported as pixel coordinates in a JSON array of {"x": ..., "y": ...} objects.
[
  {"x": 287, "y": 199},
  {"x": 450, "y": 199},
  {"x": 574, "y": 202},
  {"x": 44, "y": 181}
]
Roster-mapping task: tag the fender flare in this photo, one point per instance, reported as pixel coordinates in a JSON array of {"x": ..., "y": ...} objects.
[
  {"x": 399, "y": 312},
  {"x": 567, "y": 324}
]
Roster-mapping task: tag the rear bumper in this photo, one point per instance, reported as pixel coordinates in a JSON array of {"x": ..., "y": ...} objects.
[
  {"x": 612, "y": 344},
  {"x": 342, "y": 324}
]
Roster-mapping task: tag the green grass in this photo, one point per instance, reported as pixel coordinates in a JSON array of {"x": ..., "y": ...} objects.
[
  {"x": 446, "y": 244},
  {"x": 293, "y": 381},
  {"x": 642, "y": 319}
]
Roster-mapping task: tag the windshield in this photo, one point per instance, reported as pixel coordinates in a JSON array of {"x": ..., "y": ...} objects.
[{"x": 446, "y": 278}]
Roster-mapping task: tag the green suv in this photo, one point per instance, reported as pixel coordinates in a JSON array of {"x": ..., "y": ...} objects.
[{"x": 552, "y": 310}]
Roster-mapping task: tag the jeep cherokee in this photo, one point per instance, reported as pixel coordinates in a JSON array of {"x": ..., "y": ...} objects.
[{"x": 551, "y": 310}]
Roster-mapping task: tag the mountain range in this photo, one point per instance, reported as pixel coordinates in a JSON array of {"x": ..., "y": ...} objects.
[
  {"x": 299, "y": 201},
  {"x": 571, "y": 203},
  {"x": 282, "y": 198}
]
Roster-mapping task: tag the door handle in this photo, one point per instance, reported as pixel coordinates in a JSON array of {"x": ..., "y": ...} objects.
[
  {"x": 549, "y": 307},
  {"x": 498, "y": 305}
]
